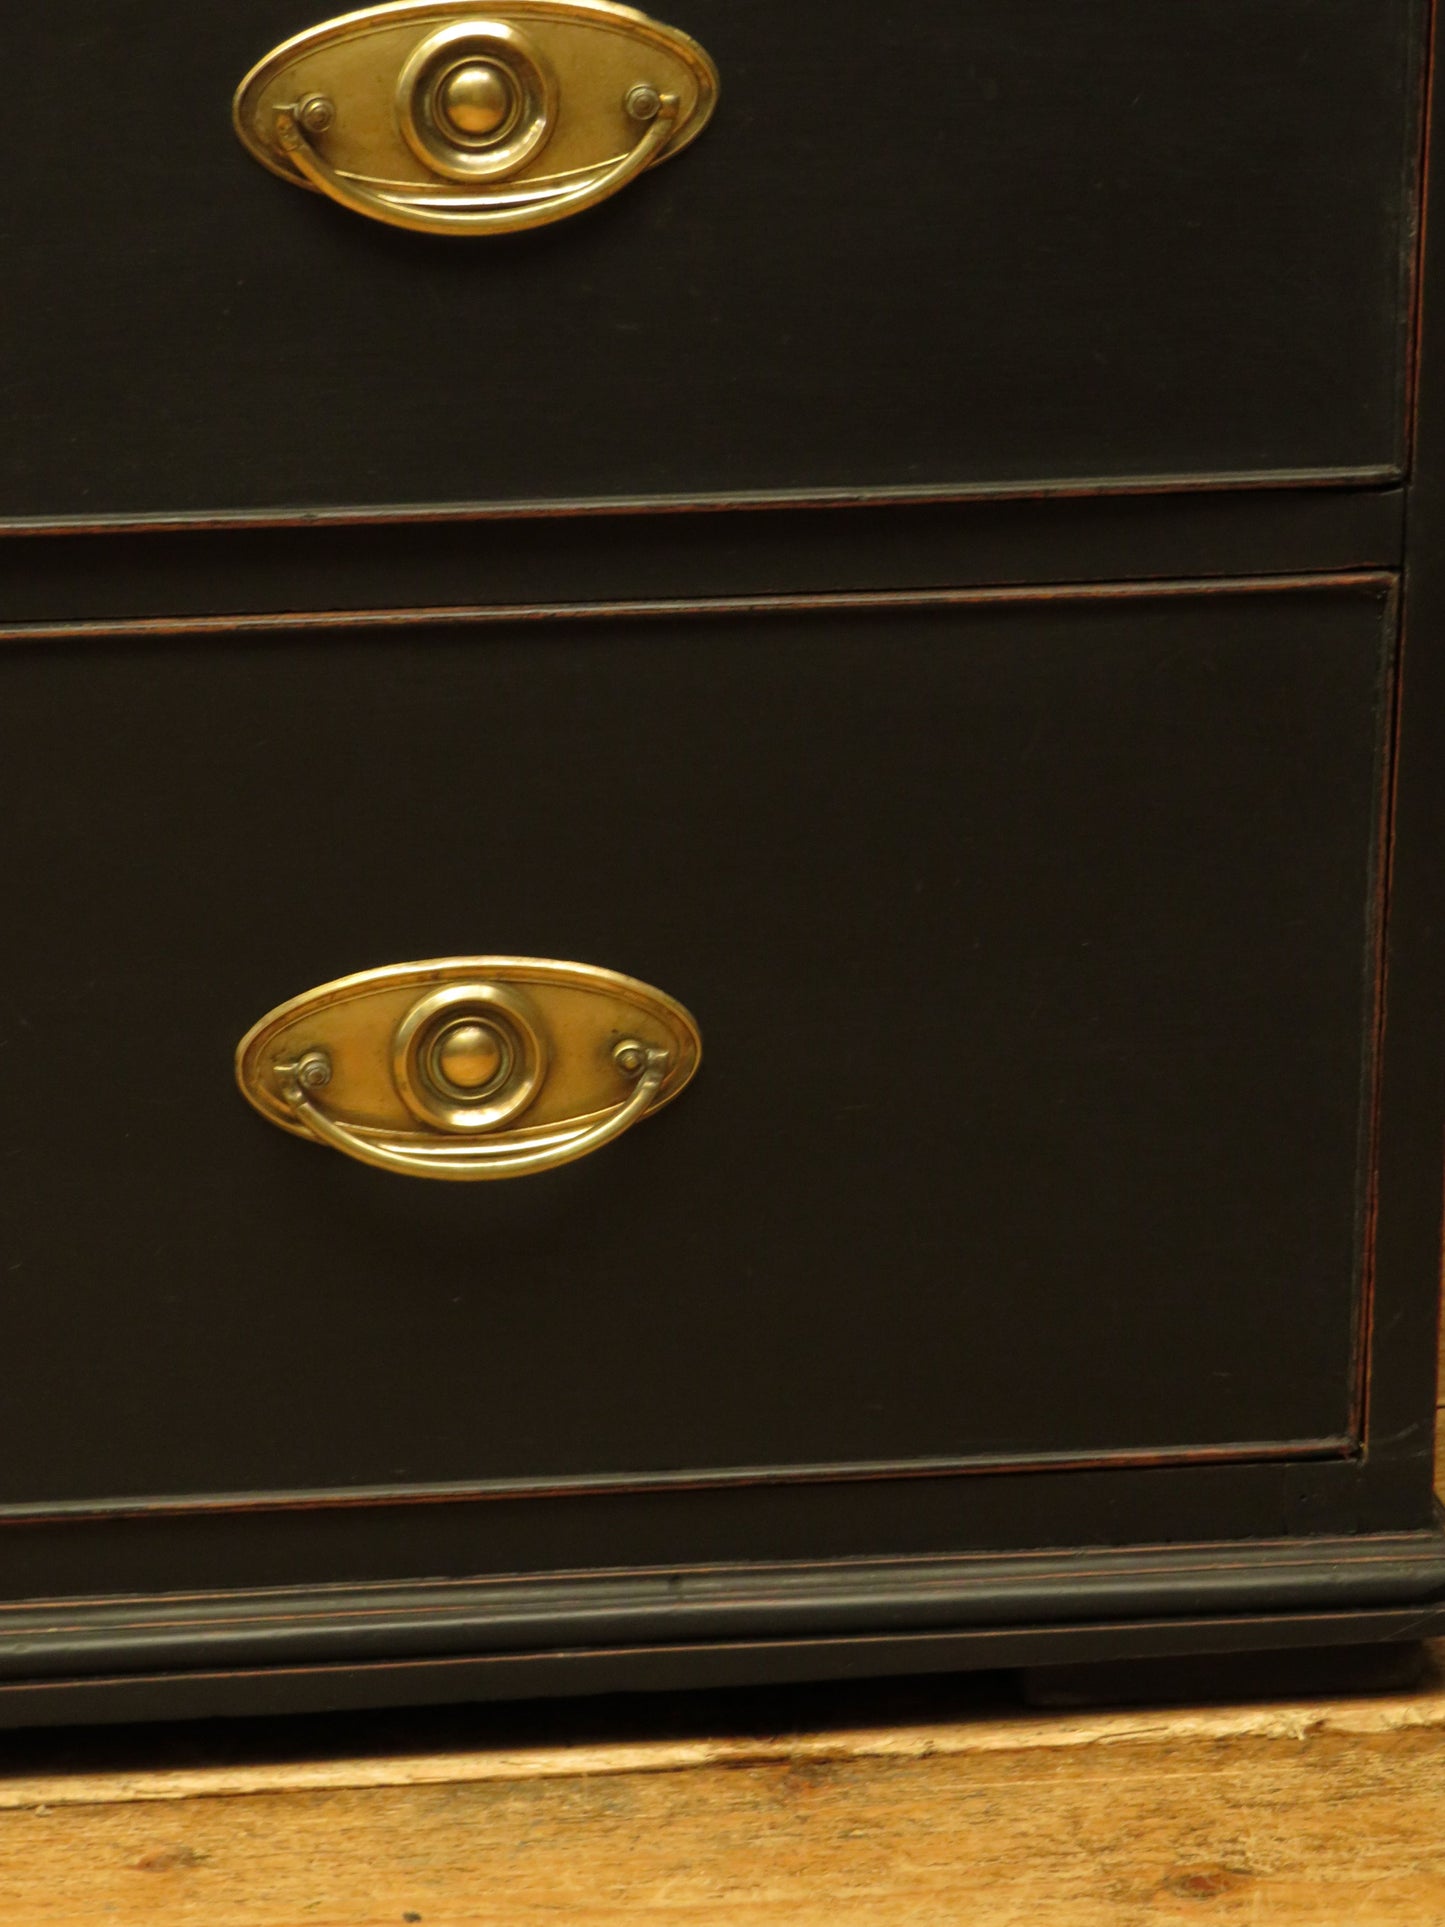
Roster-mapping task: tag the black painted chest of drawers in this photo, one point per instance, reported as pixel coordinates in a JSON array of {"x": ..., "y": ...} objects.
[{"x": 943, "y": 578}]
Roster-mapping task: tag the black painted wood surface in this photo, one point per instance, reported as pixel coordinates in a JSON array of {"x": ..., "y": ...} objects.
[
  {"x": 709, "y": 1605},
  {"x": 117, "y": 579},
  {"x": 929, "y": 246},
  {"x": 1033, "y": 947},
  {"x": 1041, "y": 1188},
  {"x": 569, "y": 1672}
]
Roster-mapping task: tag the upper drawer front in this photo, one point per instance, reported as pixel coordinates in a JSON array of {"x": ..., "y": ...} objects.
[{"x": 934, "y": 246}]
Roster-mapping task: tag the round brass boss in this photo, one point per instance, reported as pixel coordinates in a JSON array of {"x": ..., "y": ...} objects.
[
  {"x": 476, "y": 100},
  {"x": 469, "y": 1057}
]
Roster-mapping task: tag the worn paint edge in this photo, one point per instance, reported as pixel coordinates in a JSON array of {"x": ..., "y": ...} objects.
[
  {"x": 1376, "y": 581},
  {"x": 1367, "y": 475}
]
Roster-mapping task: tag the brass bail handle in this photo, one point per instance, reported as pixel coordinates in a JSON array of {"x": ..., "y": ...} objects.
[
  {"x": 299, "y": 1079},
  {"x": 469, "y": 1068},
  {"x": 448, "y": 118},
  {"x": 500, "y": 214}
]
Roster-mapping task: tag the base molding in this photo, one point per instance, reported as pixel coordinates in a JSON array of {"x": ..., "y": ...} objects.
[
  {"x": 265, "y": 1691},
  {"x": 173, "y": 1655}
]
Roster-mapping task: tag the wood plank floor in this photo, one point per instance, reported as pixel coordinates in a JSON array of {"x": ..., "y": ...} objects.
[{"x": 1330, "y": 1812}]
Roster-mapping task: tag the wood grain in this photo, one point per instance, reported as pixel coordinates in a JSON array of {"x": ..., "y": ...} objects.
[
  {"x": 1324, "y": 1811},
  {"x": 1273, "y": 1815}
]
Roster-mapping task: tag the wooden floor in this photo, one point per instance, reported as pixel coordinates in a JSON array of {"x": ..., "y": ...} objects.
[
  {"x": 920, "y": 1803},
  {"x": 1330, "y": 1812}
]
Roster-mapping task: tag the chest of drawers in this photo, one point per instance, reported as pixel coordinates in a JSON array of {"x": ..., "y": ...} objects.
[{"x": 941, "y": 579}]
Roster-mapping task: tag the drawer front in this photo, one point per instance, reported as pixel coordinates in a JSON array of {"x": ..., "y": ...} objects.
[
  {"x": 1008, "y": 244},
  {"x": 1033, "y": 941}
]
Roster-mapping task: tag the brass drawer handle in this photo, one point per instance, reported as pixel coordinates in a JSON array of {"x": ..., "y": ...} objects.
[
  {"x": 436, "y": 215},
  {"x": 452, "y": 119},
  {"x": 296, "y": 1082},
  {"x": 469, "y": 1068}
]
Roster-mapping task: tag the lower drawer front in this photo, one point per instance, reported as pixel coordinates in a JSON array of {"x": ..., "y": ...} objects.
[{"x": 1033, "y": 943}]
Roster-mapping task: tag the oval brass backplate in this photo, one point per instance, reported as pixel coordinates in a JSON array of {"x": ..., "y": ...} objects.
[
  {"x": 466, "y": 119},
  {"x": 498, "y": 1060}
]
